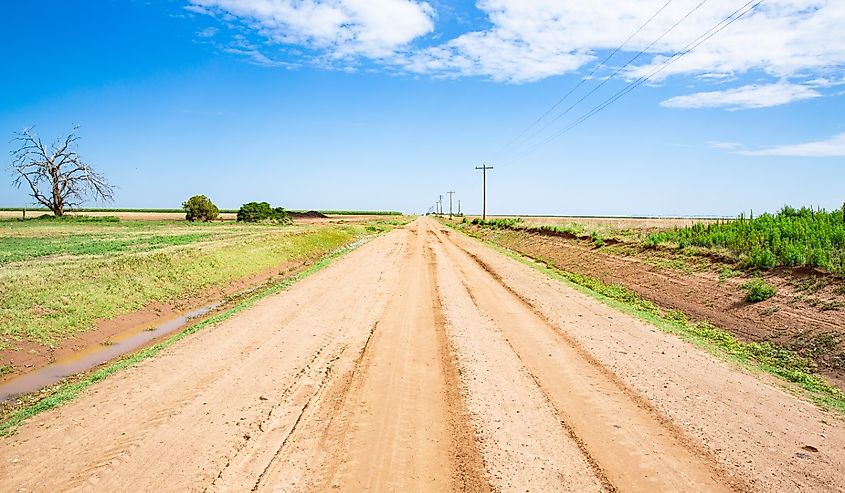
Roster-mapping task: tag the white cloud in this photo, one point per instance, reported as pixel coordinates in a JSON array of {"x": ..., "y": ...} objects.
[
  {"x": 833, "y": 147},
  {"x": 797, "y": 42},
  {"x": 342, "y": 28},
  {"x": 532, "y": 39},
  {"x": 752, "y": 96},
  {"x": 208, "y": 32}
]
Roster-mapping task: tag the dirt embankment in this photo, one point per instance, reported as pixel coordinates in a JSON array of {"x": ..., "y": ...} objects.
[{"x": 807, "y": 313}]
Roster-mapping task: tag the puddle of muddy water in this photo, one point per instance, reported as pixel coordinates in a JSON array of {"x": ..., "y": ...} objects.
[{"x": 89, "y": 358}]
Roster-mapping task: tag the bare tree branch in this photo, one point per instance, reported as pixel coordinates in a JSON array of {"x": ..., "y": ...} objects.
[{"x": 57, "y": 177}]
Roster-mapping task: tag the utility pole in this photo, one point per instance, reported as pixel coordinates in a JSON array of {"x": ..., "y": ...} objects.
[
  {"x": 459, "y": 207},
  {"x": 440, "y": 205},
  {"x": 450, "y": 204},
  {"x": 484, "y": 169}
]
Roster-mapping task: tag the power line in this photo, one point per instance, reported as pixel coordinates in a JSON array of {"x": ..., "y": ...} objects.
[
  {"x": 583, "y": 79},
  {"x": 724, "y": 23},
  {"x": 619, "y": 70}
]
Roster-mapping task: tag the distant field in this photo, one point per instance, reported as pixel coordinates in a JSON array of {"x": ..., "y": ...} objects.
[
  {"x": 222, "y": 211},
  {"x": 179, "y": 214}
]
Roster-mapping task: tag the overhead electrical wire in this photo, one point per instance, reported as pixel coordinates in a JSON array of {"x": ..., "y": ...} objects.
[
  {"x": 720, "y": 26},
  {"x": 560, "y": 101},
  {"x": 618, "y": 70}
]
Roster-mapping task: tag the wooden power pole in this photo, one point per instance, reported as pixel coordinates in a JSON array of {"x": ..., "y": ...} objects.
[
  {"x": 450, "y": 203},
  {"x": 484, "y": 169}
]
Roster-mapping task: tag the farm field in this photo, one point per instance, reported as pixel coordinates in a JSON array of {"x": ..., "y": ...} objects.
[
  {"x": 445, "y": 366},
  {"x": 177, "y": 215}
]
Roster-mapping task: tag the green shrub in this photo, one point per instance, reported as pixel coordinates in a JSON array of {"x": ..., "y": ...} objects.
[
  {"x": 763, "y": 259},
  {"x": 793, "y": 256},
  {"x": 757, "y": 290},
  {"x": 254, "y": 212},
  {"x": 200, "y": 208},
  {"x": 791, "y": 237}
]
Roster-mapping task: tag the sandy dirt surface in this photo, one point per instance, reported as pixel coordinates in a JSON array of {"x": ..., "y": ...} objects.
[{"x": 424, "y": 361}]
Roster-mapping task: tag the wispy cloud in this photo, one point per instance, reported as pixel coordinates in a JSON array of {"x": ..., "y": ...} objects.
[
  {"x": 726, "y": 146},
  {"x": 208, "y": 32},
  {"x": 833, "y": 147},
  {"x": 751, "y": 96},
  {"x": 340, "y": 28}
]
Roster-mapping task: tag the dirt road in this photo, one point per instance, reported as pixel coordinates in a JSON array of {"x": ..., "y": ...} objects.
[{"x": 425, "y": 361}]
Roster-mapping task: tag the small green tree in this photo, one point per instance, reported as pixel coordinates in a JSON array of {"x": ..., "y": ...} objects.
[
  {"x": 200, "y": 208},
  {"x": 254, "y": 212}
]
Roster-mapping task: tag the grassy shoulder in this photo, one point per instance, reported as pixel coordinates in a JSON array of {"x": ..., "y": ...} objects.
[
  {"x": 59, "y": 279},
  {"x": 783, "y": 363},
  {"x": 71, "y": 388}
]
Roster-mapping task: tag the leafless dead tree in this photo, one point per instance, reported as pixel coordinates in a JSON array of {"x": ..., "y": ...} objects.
[{"x": 57, "y": 177}]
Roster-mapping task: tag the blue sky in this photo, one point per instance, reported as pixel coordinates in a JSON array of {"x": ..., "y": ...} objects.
[{"x": 385, "y": 104}]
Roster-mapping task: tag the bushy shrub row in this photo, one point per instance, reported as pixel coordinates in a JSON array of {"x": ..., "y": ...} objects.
[
  {"x": 254, "y": 212},
  {"x": 201, "y": 208},
  {"x": 791, "y": 237}
]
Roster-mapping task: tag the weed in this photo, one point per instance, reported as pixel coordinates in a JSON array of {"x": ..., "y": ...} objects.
[
  {"x": 814, "y": 345},
  {"x": 757, "y": 290},
  {"x": 676, "y": 316},
  {"x": 728, "y": 273},
  {"x": 812, "y": 284},
  {"x": 767, "y": 312},
  {"x": 832, "y": 305}
]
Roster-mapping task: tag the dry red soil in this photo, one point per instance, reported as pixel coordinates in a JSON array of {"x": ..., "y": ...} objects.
[{"x": 424, "y": 361}]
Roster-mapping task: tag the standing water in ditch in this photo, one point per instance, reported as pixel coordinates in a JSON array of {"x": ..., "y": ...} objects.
[{"x": 97, "y": 355}]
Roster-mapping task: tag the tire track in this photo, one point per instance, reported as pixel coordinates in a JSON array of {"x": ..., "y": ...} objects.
[
  {"x": 642, "y": 453},
  {"x": 468, "y": 464}
]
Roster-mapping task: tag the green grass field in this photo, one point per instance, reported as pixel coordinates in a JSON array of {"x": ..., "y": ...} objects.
[{"x": 58, "y": 277}]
